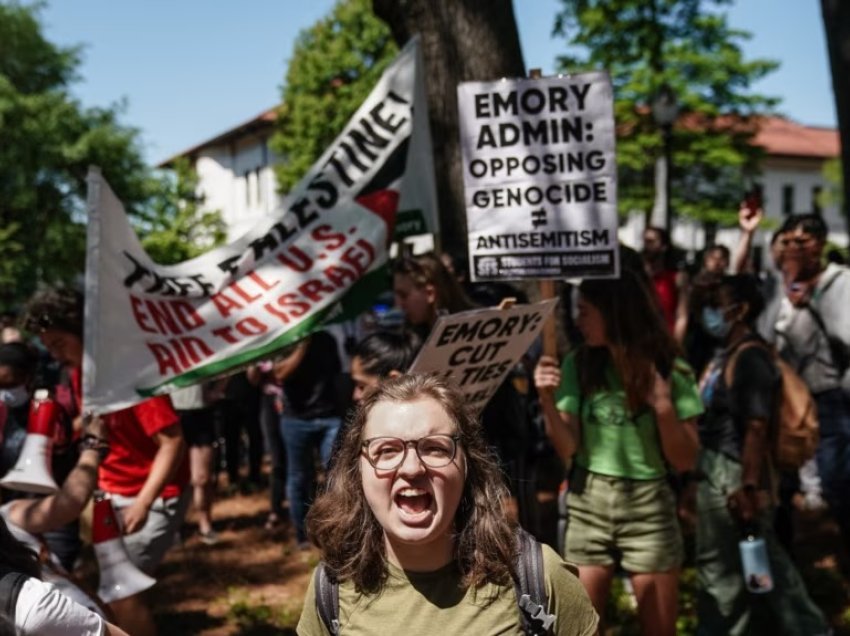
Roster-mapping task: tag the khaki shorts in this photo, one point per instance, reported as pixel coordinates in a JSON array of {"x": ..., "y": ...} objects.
[
  {"x": 148, "y": 546},
  {"x": 629, "y": 521}
]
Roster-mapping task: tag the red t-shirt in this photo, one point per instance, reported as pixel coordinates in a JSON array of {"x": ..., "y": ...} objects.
[
  {"x": 668, "y": 295},
  {"x": 132, "y": 448}
]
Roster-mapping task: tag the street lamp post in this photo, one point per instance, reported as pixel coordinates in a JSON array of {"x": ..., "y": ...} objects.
[{"x": 665, "y": 109}]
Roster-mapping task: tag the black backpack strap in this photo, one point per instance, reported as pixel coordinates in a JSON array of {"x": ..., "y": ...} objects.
[
  {"x": 838, "y": 351},
  {"x": 10, "y": 587},
  {"x": 530, "y": 586},
  {"x": 327, "y": 599}
]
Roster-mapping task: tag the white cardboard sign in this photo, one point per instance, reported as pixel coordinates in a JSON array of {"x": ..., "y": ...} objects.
[
  {"x": 477, "y": 348},
  {"x": 540, "y": 177}
]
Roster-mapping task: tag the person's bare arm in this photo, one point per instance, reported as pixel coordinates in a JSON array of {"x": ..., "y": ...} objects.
[
  {"x": 286, "y": 366},
  {"x": 114, "y": 630},
  {"x": 748, "y": 222},
  {"x": 679, "y": 438},
  {"x": 48, "y": 513},
  {"x": 745, "y": 502},
  {"x": 165, "y": 463},
  {"x": 562, "y": 429}
]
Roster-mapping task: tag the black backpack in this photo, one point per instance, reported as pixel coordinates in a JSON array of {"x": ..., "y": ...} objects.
[
  {"x": 530, "y": 589},
  {"x": 10, "y": 586}
]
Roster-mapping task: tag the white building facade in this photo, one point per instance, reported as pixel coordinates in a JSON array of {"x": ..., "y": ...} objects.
[
  {"x": 236, "y": 177},
  {"x": 236, "y": 173}
]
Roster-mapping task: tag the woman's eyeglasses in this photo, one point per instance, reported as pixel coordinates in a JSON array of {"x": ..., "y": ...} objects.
[{"x": 388, "y": 453}]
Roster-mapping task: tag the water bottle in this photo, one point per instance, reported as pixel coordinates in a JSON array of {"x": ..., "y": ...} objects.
[{"x": 756, "y": 565}]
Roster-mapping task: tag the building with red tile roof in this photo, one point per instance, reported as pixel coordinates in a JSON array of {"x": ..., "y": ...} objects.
[{"x": 236, "y": 176}]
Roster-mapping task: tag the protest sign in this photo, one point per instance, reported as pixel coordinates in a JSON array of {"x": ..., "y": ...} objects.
[
  {"x": 477, "y": 348},
  {"x": 540, "y": 177},
  {"x": 150, "y": 329}
]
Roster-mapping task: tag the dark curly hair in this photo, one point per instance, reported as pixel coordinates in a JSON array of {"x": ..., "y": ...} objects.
[
  {"x": 349, "y": 536},
  {"x": 54, "y": 308}
]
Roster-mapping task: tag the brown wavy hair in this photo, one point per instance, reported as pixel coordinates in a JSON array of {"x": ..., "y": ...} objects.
[
  {"x": 637, "y": 337},
  {"x": 425, "y": 269},
  {"x": 351, "y": 540}
]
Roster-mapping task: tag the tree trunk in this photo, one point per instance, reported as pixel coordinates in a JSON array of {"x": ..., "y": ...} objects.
[
  {"x": 462, "y": 40},
  {"x": 836, "y": 22}
]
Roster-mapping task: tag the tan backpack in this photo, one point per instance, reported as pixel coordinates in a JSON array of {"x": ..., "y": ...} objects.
[{"x": 794, "y": 431}]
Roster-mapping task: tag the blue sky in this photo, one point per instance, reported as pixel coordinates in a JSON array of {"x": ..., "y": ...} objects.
[{"x": 189, "y": 69}]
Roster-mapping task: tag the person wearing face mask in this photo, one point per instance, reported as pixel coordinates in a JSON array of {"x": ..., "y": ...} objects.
[
  {"x": 144, "y": 472},
  {"x": 17, "y": 369},
  {"x": 30, "y": 519},
  {"x": 737, "y": 481}
]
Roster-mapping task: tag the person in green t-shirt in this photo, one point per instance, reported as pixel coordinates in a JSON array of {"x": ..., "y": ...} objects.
[
  {"x": 622, "y": 408},
  {"x": 412, "y": 526}
]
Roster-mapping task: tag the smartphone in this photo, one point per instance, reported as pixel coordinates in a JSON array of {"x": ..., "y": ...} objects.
[{"x": 753, "y": 198}]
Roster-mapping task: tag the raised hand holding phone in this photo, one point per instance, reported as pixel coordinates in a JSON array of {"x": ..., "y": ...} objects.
[{"x": 750, "y": 213}]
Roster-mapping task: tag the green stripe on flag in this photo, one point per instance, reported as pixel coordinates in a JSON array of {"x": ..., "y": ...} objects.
[{"x": 354, "y": 302}]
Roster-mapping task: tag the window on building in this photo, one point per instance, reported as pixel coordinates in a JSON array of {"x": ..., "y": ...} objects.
[
  {"x": 260, "y": 189},
  {"x": 787, "y": 199},
  {"x": 816, "y": 190},
  {"x": 255, "y": 190}
]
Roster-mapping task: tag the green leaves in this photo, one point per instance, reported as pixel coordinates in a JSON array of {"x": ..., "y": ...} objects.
[
  {"x": 334, "y": 66},
  {"x": 47, "y": 142},
  {"x": 174, "y": 228},
  {"x": 833, "y": 194},
  {"x": 688, "y": 45}
]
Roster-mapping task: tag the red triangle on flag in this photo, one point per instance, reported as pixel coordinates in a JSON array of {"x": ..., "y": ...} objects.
[{"x": 384, "y": 203}]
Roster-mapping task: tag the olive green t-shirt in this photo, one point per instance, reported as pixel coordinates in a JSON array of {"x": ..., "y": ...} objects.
[
  {"x": 613, "y": 441},
  {"x": 433, "y": 603}
]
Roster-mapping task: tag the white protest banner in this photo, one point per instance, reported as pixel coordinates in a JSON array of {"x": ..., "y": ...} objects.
[
  {"x": 477, "y": 348},
  {"x": 540, "y": 177},
  {"x": 150, "y": 329}
]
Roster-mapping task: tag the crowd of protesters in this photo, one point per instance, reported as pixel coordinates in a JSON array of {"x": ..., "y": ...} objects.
[{"x": 668, "y": 394}]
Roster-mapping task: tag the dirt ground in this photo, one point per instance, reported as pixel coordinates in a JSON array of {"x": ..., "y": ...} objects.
[{"x": 253, "y": 580}]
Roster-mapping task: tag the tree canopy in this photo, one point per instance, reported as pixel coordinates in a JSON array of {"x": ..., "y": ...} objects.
[
  {"x": 333, "y": 68},
  {"x": 836, "y": 22},
  {"x": 462, "y": 40},
  {"x": 689, "y": 46},
  {"x": 175, "y": 227},
  {"x": 47, "y": 141}
]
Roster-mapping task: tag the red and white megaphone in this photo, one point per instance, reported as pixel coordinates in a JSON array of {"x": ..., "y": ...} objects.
[
  {"x": 119, "y": 578},
  {"x": 32, "y": 472}
]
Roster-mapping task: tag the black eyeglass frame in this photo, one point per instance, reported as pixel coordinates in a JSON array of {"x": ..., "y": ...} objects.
[{"x": 406, "y": 443}]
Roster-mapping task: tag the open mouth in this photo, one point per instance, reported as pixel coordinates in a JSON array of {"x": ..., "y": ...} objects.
[{"x": 413, "y": 501}]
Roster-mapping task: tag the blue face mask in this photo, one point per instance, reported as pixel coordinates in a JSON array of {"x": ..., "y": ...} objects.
[{"x": 715, "y": 323}]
